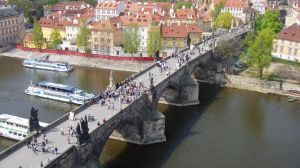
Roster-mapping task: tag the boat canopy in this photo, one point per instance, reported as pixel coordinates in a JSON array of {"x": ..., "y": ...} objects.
[{"x": 65, "y": 88}]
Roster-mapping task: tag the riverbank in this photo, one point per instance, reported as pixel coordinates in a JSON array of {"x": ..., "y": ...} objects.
[
  {"x": 130, "y": 66},
  {"x": 262, "y": 86}
]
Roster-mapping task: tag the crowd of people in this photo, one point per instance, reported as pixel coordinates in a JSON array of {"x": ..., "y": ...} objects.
[{"x": 125, "y": 92}]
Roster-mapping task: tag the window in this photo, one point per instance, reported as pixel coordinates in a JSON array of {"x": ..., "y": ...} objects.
[
  {"x": 290, "y": 51},
  {"x": 96, "y": 47},
  {"x": 295, "y": 51}
]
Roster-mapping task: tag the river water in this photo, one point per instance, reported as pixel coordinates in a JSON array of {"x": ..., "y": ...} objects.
[{"x": 230, "y": 128}]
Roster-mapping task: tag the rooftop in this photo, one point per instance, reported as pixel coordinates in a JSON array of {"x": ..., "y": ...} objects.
[
  {"x": 9, "y": 11},
  {"x": 291, "y": 33},
  {"x": 180, "y": 31},
  {"x": 235, "y": 3},
  {"x": 108, "y": 5}
]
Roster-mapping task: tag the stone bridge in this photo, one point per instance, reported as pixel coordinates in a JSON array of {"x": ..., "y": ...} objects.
[{"x": 138, "y": 122}]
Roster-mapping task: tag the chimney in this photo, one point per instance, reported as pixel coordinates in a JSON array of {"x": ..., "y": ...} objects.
[
  {"x": 178, "y": 23},
  {"x": 78, "y": 15},
  {"x": 183, "y": 7},
  {"x": 163, "y": 12}
]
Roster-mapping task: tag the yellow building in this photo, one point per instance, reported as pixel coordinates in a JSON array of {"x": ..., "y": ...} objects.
[
  {"x": 105, "y": 35},
  {"x": 287, "y": 43},
  {"x": 48, "y": 24},
  {"x": 28, "y": 41},
  {"x": 178, "y": 36}
]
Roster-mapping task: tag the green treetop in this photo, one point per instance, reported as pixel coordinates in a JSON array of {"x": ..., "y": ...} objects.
[
  {"x": 131, "y": 40},
  {"x": 38, "y": 38},
  {"x": 258, "y": 54},
  {"x": 154, "y": 40},
  {"x": 224, "y": 20},
  {"x": 270, "y": 19},
  {"x": 218, "y": 7},
  {"x": 180, "y": 4},
  {"x": 83, "y": 35},
  {"x": 55, "y": 39}
]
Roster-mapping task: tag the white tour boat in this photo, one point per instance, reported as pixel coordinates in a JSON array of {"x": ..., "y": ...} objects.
[
  {"x": 44, "y": 63},
  {"x": 64, "y": 93},
  {"x": 14, "y": 127}
]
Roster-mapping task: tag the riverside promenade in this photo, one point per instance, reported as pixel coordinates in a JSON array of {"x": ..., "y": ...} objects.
[
  {"x": 121, "y": 65},
  {"x": 22, "y": 156}
]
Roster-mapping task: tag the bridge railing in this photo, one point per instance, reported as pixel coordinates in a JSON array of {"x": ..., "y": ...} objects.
[
  {"x": 71, "y": 150},
  {"x": 16, "y": 146}
]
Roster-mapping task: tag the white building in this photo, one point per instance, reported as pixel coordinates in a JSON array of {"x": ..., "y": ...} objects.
[
  {"x": 109, "y": 9},
  {"x": 287, "y": 43},
  {"x": 260, "y": 6},
  {"x": 292, "y": 14},
  {"x": 143, "y": 22},
  {"x": 72, "y": 27},
  {"x": 236, "y": 8}
]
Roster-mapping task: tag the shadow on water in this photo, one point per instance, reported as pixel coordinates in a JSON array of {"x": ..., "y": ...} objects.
[{"x": 179, "y": 121}]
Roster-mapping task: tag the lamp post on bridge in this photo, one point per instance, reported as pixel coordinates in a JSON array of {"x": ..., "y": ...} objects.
[{"x": 140, "y": 60}]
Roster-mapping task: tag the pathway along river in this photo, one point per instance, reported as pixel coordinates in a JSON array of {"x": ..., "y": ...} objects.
[{"x": 230, "y": 128}]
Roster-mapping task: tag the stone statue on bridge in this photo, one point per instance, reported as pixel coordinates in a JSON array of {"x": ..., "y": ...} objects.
[
  {"x": 34, "y": 120},
  {"x": 83, "y": 133},
  {"x": 78, "y": 135}
]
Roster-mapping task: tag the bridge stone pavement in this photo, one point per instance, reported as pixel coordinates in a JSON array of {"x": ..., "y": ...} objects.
[{"x": 138, "y": 122}]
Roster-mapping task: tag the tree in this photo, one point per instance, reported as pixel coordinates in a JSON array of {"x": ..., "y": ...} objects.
[
  {"x": 224, "y": 52},
  {"x": 38, "y": 38},
  {"x": 180, "y": 4},
  {"x": 270, "y": 19},
  {"x": 83, "y": 35},
  {"x": 224, "y": 20},
  {"x": 258, "y": 54},
  {"x": 154, "y": 39},
  {"x": 55, "y": 39},
  {"x": 218, "y": 7},
  {"x": 131, "y": 39}
]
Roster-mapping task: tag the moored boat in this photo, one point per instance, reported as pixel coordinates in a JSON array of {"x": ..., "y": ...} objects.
[
  {"x": 45, "y": 64},
  {"x": 60, "y": 92},
  {"x": 14, "y": 127}
]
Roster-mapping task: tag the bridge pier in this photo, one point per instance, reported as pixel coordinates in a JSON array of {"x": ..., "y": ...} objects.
[
  {"x": 186, "y": 94},
  {"x": 142, "y": 132}
]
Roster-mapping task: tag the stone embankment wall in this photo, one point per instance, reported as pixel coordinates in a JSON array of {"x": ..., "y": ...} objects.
[
  {"x": 264, "y": 86},
  {"x": 131, "y": 66}
]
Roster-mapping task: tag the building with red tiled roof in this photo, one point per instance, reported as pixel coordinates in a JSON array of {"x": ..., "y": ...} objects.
[
  {"x": 287, "y": 43},
  {"x": 236, "y": 8},
  {"x": 143, "y": 21},
  {"x": 28, "y": 41},
  {"x": 109, "y": 9},
  {"x": 105, "y": 35},
  {"x": 177, "y": 35},
  {"x": 48, "y": 24},
  {"x": 69, "y": 5}
]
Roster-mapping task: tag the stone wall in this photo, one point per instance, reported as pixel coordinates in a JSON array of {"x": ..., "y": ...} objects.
[
  {"x": 67, "y": 159},
  {"x": 264, "y": 86}
]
